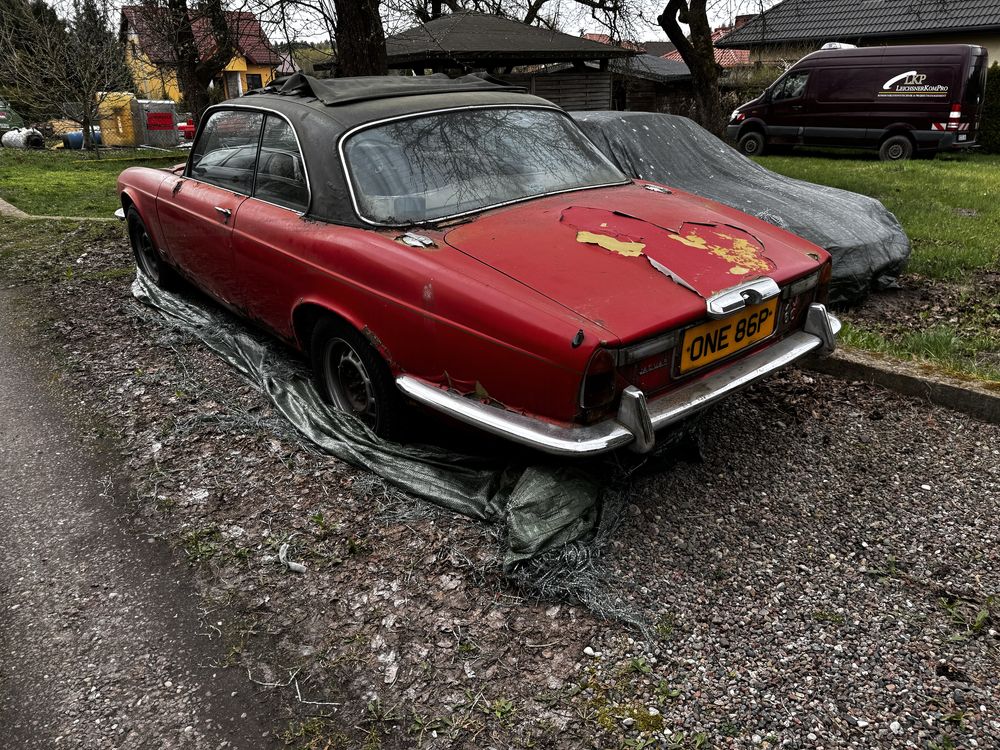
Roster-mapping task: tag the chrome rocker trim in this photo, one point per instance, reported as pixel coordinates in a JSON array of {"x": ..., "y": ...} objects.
[{"x": 637, "y": 418}]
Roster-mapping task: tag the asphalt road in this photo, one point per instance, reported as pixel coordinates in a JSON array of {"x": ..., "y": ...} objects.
[{"x": 99, "y": 631}]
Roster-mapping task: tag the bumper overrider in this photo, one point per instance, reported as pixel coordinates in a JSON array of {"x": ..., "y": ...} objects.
[{"x": 638, "y": 419}]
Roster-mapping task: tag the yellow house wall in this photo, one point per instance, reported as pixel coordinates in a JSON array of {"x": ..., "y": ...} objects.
[{"x": 160, "y": 82}]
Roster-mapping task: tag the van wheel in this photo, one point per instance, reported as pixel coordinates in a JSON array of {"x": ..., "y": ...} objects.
[
  {"x": 896, "y": 148},
  {"x": 752, "y": 143}
]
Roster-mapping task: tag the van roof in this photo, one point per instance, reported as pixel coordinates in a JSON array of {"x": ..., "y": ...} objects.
[{"x": 903, "y": 50}]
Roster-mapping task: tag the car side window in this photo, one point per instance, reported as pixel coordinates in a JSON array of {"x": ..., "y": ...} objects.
[
  {"x": 226, "y": 150},
  {"x": 281, "y": 177},
  {"x": 792, "y": 87}
]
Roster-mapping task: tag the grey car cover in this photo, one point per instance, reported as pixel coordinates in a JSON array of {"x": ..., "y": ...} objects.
[{"x": 867, "y": 243}]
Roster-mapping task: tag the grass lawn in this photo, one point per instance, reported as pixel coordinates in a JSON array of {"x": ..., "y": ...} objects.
[
  {"x": 948, "y": 313},
  {"x": 949, "y": 206},
  {"x": 70, "y": 183}
]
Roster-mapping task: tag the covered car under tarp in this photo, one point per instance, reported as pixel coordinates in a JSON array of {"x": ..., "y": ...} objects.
[{"x": 868, "y": 245}]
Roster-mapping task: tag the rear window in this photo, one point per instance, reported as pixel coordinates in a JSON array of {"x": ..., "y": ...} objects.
[
  {"x": 455, "y": 162},
  {"x": 975, "y": 86}
]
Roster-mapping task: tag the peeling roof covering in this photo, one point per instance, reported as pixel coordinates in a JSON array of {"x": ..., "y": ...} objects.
[
  {"x": 251, "y": 42},
  {"x": 846, "y": 20},
  {"x": 468, "y": 38},
  {"x": 340, "y": 91},
  {"x": 357, "y": 102}
]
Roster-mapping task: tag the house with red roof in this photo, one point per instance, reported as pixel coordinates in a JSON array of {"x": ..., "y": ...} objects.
[
  {"x": 150, "y": 58},
  {"x": 727, "y": 58}
]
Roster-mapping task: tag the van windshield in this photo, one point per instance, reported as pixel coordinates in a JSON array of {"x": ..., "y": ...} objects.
[{"x": 443, "y": 164}]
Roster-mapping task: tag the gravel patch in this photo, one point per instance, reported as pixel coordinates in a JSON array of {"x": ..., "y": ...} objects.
[{"x": 823, "y": 576}]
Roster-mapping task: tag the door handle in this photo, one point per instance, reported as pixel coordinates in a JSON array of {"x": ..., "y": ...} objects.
[
  {"x": 797, "y": 107},
  {"x": 226, "y": 213}
]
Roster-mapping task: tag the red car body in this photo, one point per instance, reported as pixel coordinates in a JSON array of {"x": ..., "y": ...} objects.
[{"x": 495, "y": 318}]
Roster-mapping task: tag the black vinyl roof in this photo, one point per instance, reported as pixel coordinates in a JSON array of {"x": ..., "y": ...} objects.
[
  {"x": 477, "y": 39},
  {"x": 341, "y": 91},
  {"x": 848, "y": 20},
  {"x": 322, "y": 111}
]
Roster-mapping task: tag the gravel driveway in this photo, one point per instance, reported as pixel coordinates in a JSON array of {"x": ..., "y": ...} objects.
[{"x": 824, "y": 577}]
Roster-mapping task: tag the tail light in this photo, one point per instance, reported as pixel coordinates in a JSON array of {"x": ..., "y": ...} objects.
[
  {"x": 823, "y": 287},
  {"x": 599, "y": 385},
  {"x": 954, "y": 116}
]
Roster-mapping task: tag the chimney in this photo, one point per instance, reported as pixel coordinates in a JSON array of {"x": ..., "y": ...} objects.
[{"x": 743, "y": 20}]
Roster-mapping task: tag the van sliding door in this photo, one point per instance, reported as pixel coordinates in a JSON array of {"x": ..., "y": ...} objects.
[{"x": 842, "y": 105}]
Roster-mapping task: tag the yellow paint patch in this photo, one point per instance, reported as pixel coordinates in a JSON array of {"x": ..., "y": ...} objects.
[
  {"x": 741, "y": 253},
  {"x": 628, "y": 249},
  {"x": 692, "y": 240}
]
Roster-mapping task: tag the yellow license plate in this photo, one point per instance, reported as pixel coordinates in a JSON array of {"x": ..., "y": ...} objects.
[{"x": 709, "y": 342}]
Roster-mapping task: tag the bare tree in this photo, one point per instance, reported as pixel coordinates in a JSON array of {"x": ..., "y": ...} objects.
[
  {"x": 66, "y": 70},
  {"x": 360, "y": 38},
  {"x": 198, "y": 39},
  {"x": 698, "y": 53}
]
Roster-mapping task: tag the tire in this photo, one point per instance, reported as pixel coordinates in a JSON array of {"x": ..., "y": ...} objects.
[
  {"x": 752, "y": 143},
  {"x": 352, "y": 376},
  {"x": 895, "y": 148},
  {"x": 147, "y": 258}
]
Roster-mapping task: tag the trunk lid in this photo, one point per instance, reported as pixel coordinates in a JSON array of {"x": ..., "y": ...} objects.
[{"x": 632, "y": 260}]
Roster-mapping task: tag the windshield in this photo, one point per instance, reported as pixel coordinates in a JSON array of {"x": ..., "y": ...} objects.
[{"x": 440, "y": 165}]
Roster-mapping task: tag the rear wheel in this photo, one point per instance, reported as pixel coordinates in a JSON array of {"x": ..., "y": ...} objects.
[
  {"x": 147, "y": 259},
  {"x": 354, "y": 378},
  {"x": 752, "y": 143},
  {"x": 896, "y": 148}
]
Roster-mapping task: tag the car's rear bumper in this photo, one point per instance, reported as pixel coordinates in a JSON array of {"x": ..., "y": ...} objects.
[{"x": 637, "y": 419}]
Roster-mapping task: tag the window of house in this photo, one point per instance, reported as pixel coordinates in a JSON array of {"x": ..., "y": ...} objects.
[
  {"x": 281, "y": 177},
  {"x": 226, "y": 150},
  {"x": 254, "y": 81}
]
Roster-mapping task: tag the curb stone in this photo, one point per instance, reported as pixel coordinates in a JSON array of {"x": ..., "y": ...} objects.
[
  {"x": 910, "y": 379},
  {"x": 13, "y": 212}
]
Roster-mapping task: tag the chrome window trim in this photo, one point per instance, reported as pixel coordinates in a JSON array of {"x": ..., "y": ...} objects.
[
  {"x": 424, "y": 113},
  {"x": 250, "y": 108}
]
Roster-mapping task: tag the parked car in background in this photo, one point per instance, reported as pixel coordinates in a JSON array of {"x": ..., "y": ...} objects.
[
  {"x": 902, "y": 101},
  {"x": 9, "y": 119},
  {"x": 464, "y": 245}
]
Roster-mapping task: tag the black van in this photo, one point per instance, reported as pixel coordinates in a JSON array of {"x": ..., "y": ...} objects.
[{"x": 904, "y": 100}]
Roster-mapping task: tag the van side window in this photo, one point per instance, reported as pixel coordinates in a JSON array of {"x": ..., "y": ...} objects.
[{"x": 792, "y": 86}]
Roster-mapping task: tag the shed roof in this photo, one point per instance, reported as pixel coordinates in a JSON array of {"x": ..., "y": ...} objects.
[
  {"x": 149, "y": 24},
  {"x": 644, "y": 67},
  {"x": 846, "y": 20},
  {"x": 478, "y": 39}
]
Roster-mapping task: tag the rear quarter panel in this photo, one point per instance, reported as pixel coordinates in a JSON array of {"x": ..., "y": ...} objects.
[{"x": 431, "y": 312}]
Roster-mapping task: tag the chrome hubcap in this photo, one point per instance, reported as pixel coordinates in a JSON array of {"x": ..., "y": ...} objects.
[{"x": 348, "y": 383}]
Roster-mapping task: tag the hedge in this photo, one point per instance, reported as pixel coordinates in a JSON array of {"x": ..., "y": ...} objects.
[{"x": 989, "y": 124}]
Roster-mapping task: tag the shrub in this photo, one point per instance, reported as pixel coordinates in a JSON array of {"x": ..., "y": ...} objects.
[{"x": 989, "y": 125}]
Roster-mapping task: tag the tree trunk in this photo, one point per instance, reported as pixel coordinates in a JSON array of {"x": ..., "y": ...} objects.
[
  {"x": 360, "y": 38},
  {"x": 699, "y": 55}
]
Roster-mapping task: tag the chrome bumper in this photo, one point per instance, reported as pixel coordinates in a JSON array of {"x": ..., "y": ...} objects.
[{"x": 637, "y": 419}]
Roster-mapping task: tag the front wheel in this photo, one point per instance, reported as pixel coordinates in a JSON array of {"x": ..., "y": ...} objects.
[
  {"x": 752, "y": 143},
  {"x": 896, "y": 148},
  {"x": 147, "y": 258},
  {"x": 354, "y": 378}
]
